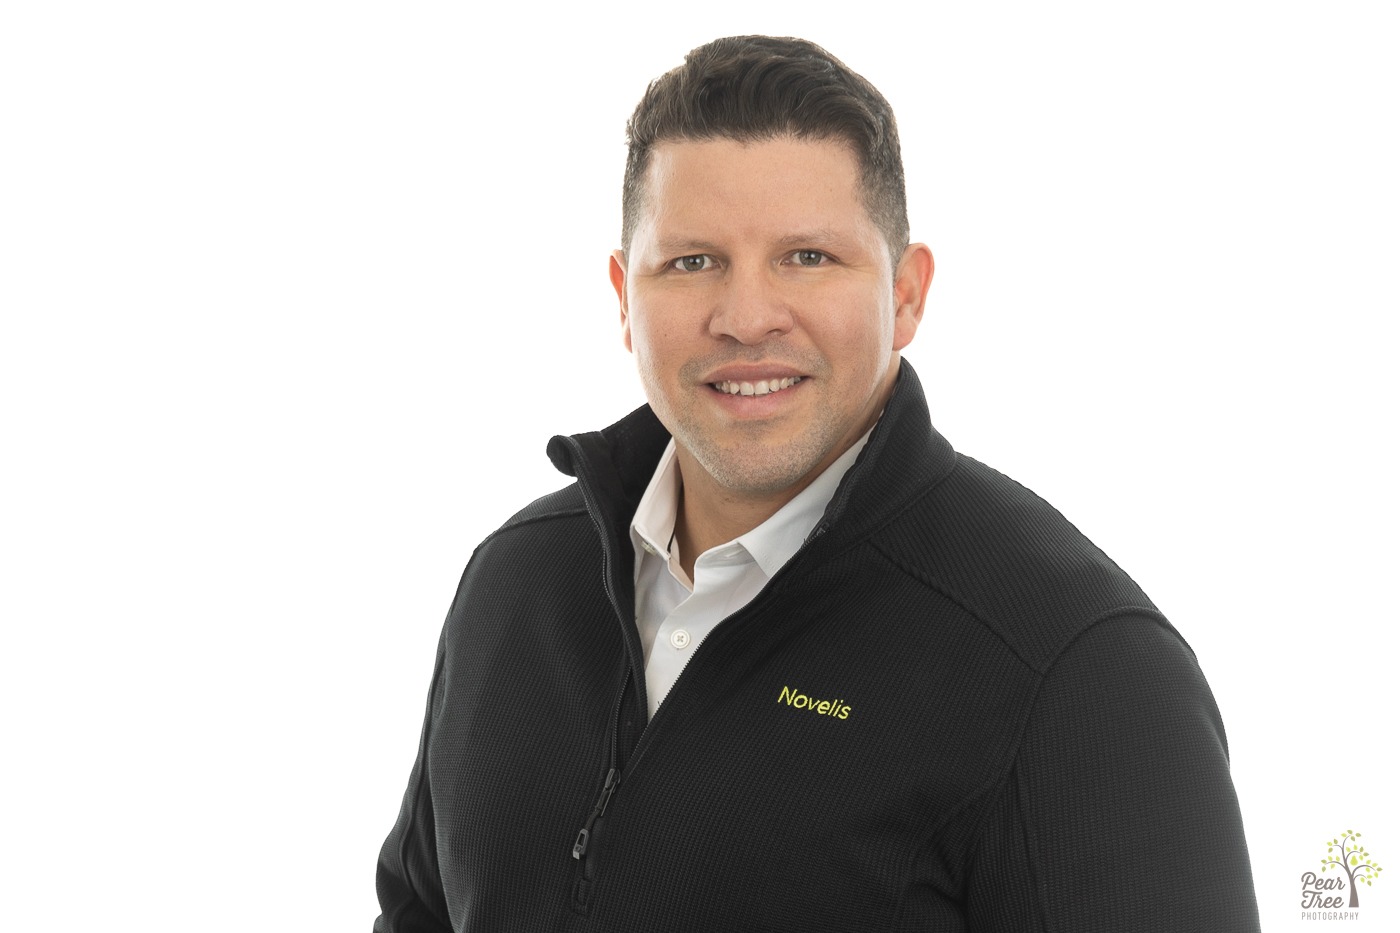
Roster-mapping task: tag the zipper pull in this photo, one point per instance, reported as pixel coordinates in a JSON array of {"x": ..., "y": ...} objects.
[{"x": 609, "y": 785}]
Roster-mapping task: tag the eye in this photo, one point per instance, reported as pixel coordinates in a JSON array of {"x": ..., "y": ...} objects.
[
  {"x": 697, "y": 263},
  {"x": 809, "y": 257}
]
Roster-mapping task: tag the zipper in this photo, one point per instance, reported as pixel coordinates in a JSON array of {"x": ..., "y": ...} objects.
[
  {"x": 588, "y": 860},
  {"x": 586, "y": 844},
  {"x": 584, "y": 849},
  {"x": 599, "y": 808}
]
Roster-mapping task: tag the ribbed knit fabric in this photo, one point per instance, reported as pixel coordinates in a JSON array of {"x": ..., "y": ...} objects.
[{"x": 948, "y": 712}]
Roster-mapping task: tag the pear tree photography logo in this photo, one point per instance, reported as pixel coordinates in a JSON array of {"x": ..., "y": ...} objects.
[{"x": 1334, "y": 891}]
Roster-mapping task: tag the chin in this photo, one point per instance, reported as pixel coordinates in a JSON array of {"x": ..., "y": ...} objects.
[{"x": 769, "y": 471}]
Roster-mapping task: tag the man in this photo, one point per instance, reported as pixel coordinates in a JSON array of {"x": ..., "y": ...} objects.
[{"x": 781, "y": 659}]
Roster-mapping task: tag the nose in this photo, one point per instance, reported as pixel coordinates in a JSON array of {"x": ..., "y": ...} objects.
[{"x": 751, "y": 307}]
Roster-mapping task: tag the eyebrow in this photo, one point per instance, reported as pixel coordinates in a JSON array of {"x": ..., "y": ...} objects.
[
  {"x": 824, "y": 236},
  {"x": 681, "y": 245},
  {"x": 676, "y": 245}
]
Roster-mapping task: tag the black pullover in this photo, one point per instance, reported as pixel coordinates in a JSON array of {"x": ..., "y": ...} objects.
[{"x": 948, "y": 712}]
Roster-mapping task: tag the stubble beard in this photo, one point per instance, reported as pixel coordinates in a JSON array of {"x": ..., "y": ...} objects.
[
  {"x": 756, "y": 468},
  {"x": 747, "y": 464}
]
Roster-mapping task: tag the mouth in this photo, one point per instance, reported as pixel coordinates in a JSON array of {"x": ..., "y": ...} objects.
[{"x": 757, "y": 387}]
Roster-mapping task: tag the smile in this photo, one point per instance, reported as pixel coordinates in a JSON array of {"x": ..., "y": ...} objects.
[{"x": 762, "y": 387}]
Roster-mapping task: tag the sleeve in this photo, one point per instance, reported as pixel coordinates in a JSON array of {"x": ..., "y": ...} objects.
[
  {"x": 1119, "y": 813},
  {"x": 408, "y": 881}
]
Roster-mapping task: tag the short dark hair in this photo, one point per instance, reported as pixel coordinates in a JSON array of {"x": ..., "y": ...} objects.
[{"x": 753, "y": 88}]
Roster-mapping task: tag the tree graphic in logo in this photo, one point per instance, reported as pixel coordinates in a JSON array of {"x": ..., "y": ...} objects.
[{"x": 1351, "y": 857}]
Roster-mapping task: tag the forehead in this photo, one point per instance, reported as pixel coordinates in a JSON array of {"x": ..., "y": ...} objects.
[{"x": 773, "y": 183}]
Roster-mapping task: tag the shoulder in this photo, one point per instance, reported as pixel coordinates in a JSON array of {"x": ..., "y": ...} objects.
[
  {"x": 562, "y": 505},
  {"x": 1012, "y": 560},
  {"x": 530, "y": 541},
  {"x": 548, "y": 548},
  {"x": 556, "y": 518}
]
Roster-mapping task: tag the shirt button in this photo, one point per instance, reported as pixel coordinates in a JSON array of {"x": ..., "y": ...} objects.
[
  {"x": 646, "y": 546},
  {"x": 680, "y": 638}
]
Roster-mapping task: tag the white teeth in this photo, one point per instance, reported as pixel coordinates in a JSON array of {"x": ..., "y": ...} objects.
[{"x": 762, "y": 387}]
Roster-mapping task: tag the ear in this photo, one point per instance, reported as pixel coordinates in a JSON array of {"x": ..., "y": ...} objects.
[
  {"x": 911, "y": 282},
  {"x": 617, "y": 272}
]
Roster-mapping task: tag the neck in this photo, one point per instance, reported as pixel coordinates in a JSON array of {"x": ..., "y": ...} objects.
[
  {"x": 707, "y": 516},
  {"x": 710, "y": 514}
]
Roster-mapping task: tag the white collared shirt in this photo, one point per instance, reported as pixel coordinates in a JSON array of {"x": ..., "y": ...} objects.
[{"x": 673, "y": 614}]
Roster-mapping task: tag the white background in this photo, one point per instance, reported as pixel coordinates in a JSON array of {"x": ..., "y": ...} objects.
[{"x": 294, "y": 294}]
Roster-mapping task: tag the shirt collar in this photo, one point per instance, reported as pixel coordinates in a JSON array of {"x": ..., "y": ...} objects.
[
  {"x": 771, "y": 545},
  {"x": 654, "y": 523}
]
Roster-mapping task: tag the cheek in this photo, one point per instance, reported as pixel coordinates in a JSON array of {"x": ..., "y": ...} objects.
[
  {"x": 656, "y": 333},
  {"x": 644, "y": 343},
  {"x": 859, "y": 328},
  {"x": 652, "y": 348}
]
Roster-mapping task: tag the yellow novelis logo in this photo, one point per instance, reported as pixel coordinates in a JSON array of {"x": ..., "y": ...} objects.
[{"x": 797, "y": 700}]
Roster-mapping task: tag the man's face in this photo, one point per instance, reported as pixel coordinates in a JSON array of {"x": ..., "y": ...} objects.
[{"x": 758, "y": 298}]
